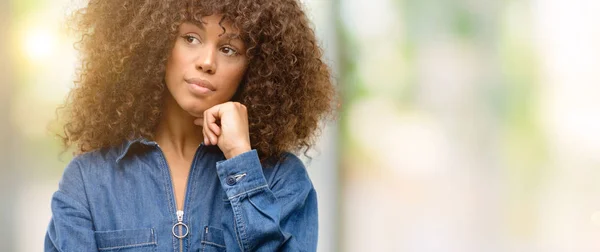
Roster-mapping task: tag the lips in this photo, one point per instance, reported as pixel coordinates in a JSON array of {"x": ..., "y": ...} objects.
[{"x": 201, "y": 83}]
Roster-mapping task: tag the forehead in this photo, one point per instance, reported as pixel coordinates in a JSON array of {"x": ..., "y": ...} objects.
[{"x": 215, "y": 21}]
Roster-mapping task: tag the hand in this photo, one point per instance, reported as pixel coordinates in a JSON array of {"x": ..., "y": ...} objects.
[{"x": 226, "y": 125}]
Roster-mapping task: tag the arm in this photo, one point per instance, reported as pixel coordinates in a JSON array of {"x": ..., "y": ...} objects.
[
  {"x": 282, "y": 217},
  {"x": 71, "y": 227}
]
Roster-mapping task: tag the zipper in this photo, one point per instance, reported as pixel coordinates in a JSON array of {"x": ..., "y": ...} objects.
[
  {"x": 180, "y": 216},
  {"x": 179, "y": 213},
  {"x": 180, "y": 225},
  {"x": 180, "y": 221}
]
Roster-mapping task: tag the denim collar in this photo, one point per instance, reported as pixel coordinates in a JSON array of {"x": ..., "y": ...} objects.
[{"x": 126, "y": 146}]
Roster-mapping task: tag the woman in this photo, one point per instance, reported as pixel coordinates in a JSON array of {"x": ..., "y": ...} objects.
[{"x": 183, "y": 115}]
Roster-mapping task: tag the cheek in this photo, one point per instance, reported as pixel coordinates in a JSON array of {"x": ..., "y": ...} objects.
[
  {"x": 176, "y": 62},
  {"x": 236, "y": 73},
  {"x": 170, "y": 70},
  {"x": 234, "y": 77}
]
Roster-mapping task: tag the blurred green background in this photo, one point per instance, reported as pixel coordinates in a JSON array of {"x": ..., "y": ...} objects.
[{"x": 464, "y": 126}]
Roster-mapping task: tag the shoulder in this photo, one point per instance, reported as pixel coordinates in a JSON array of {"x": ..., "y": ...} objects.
[
  {"x": 98, "y": 158},
  {"x": 77, "y": 175},
  {"x": 90, "y": 163}
]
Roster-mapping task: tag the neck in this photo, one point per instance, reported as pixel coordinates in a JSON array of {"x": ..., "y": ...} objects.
[{"x": 176, "y": 132}]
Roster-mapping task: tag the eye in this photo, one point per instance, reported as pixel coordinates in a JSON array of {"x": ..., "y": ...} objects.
[
  {"x": 228, "y": 51},
  {"x": 190, "y": 39}
]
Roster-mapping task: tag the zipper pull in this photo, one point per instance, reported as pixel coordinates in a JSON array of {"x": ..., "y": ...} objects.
[
  {"x": 180, "y": 223},
  {"x": 179, "y": 216}
]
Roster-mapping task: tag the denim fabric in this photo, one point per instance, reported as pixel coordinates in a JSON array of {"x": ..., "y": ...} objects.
[{"x": 121, "y": 199}]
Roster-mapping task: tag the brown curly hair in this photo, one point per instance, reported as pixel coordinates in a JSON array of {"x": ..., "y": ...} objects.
[{"x": 124, "y": 45}]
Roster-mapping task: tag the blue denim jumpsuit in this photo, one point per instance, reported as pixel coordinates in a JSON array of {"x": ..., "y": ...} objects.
[{"x": 122, "y": 199}]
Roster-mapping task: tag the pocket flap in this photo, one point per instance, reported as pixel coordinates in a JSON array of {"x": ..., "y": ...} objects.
[
  {"x": 118, "y": 239},
  {"x": 213, "y": 236}
]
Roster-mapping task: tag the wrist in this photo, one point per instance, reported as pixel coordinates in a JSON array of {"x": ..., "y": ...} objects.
[{"x": 236, "y": 151}]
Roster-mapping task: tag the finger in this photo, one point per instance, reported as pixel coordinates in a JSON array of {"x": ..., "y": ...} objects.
[
  {"x": 212, "y": 117},
  {"x": 204, "y": 137},
  {"x": 199, "y": 121},
  {"x": 207, "y": 127},
  {"x": 209, "y": 138},
  {"x": 206, "y": 141},
  {"x": 212, "y": 114},
  {"x": 214, "y": 127},
  {"x": 205, "y": 132}
]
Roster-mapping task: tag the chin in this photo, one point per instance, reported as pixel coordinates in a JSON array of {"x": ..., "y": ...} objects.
[
  {"x": 192, "y": 105},
  {"x": 195, "y": 110},
  {"x": 195, "y": 113}
]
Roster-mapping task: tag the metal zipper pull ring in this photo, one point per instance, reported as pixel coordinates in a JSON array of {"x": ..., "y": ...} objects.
[{"x": 180, "y": 223}]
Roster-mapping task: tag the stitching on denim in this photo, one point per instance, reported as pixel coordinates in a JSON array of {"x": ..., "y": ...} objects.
[
  {"x": 242, "y": 227},
  {"x": 212, "y": 243},
  {"x": 123, "y": 151},
  {"x": 87, "y": 201},
  {"x": 166, "y": 177},
  {"x": 249, "y": 191},
  {"x": 129, "y": 246},
  {"x": 192, "y": 192},
  {"x": 188, "y": 244},
  {"x": 154, "y": 237},
  {"x": 235, "y": 228},
  {"x": 120, "y": 157}
]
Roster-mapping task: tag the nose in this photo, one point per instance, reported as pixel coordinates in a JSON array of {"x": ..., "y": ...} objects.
[{"x": 206, "y": 61}]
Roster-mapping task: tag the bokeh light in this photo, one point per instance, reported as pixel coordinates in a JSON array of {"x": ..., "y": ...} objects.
[{"x": 39, "y": 44}]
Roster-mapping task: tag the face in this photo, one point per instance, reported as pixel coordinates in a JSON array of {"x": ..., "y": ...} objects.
[{"x": 206, "y": 65}]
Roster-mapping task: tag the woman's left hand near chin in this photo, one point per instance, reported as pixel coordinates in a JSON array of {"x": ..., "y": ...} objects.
[{"x": 232, "y": 135}]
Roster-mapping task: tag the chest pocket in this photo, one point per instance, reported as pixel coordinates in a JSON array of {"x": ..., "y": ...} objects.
[
  {"x": 212, "y": 240},
  {"x": 127, "y": 240}
]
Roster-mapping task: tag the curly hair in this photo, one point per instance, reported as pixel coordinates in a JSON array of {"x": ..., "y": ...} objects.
[{"x": 124, "y": 45}]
